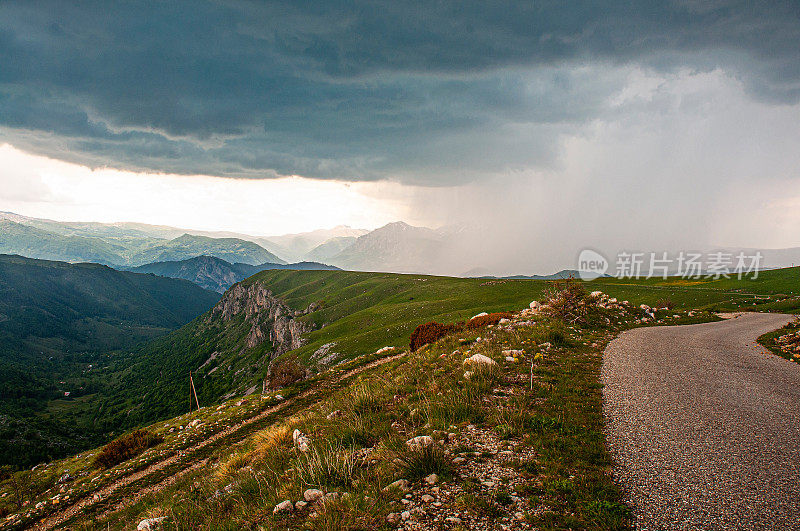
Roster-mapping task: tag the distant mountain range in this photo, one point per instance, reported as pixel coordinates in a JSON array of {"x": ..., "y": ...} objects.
[
  {"x": 215, "y": 273},
  {"x": 396, "y": 247},
  {"x": 118, "y": 244},
  {"x": 311, "y": 245}
]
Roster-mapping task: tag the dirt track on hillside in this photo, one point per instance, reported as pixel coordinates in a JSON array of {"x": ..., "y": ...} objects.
[{"x": 63, "y": 515}]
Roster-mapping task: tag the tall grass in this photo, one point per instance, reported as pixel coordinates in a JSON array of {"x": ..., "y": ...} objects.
[{"x": 328, "y": 466}]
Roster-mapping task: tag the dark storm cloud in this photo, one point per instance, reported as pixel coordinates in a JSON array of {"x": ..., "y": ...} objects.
[{"x": 428, "y": 91}]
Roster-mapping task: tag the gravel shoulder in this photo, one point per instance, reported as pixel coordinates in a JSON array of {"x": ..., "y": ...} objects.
[{"x": 704, "y": 425}]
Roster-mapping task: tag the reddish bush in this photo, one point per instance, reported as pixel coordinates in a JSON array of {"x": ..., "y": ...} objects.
[
  {"x": 128, "y": 446},
  {"x": 430, "y": 332},
  {"x": 285, "y": 372},
  {"x": 486, "y": 320}
]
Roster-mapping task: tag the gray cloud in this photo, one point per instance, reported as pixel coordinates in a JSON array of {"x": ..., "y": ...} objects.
[{"x": 428, "y": 92}]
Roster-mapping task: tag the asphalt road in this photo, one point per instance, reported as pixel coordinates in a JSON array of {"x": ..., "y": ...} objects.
[{"x": 704, "y": 426}]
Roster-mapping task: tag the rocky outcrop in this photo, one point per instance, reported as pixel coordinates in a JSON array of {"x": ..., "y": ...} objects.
[{"x": 268, "y": 317}]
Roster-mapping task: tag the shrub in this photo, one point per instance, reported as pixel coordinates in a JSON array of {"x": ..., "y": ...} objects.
[
  {"x": 665, "y": 303},
  {"x": 126, "y": 447},
  {"x": 488, "y": 319},
  {"x": 285, "y": 372},
  {"x": 568, "y": 300},
  {"x": 429, "y": 333}
]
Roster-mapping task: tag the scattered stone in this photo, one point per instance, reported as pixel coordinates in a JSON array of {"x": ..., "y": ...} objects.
[
  {"x": 480, "y": 359},
  {"x": 427, "y": 498},
  {"x": 432, "y": 479},
  {"x": 300, "y": 505},
  {"x": 312, "y": 495},
  {"x": 393, "y": 518},
  {"x": 330, "y": 497},
  {"x": 286, "y": 506},
  {"x": 458, "y": 460},
  {"x": 405, "y": 515},
  {"x": 420, "y": 442},
  {"x": 400, "y": 484},
  {"x": 151, "y": 524}
]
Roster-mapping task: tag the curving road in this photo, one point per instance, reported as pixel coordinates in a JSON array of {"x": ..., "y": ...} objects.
[{"x": 704, "y": 425}]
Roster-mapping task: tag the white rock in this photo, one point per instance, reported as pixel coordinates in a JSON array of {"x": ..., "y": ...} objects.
[
  {"x": 504, "y": 321},
  {"x": 301, "y": 441},
  {"x": 384, "y": 349},
  {"x": 405, "y": 515},
  {"x": 286, "y": 506},
  {"x": 534, "y": 305},
  {"x": 427, "y": 498},
  {"x": 393, "y": 518},
  {"x": 420, "y": 442},
  {"x": 432, "y": 479},
  {"x": 513, "y": 353},
  {"x": 596, "y": 294},
  {"x": 300, "y": 505},
  {"x": 151, "y": 524},
  {"x": 479, "y": 315},
  {"x": 312, "y": 495},
  {"x": 480, "y": 359}
]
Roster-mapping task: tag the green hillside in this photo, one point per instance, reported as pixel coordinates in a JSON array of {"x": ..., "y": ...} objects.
[
  {"x": 57, "y": 323},
  {"x": 359, "y": 313},
  {"x": 774, "y": 290}
]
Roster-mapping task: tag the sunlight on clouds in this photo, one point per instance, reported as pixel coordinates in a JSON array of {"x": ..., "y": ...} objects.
[{"x": 42, "y": 187}]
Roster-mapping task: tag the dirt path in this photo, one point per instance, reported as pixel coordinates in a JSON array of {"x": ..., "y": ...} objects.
[
  {"x": 704, "y": 425},
  {"x": 58, "y": 518}
]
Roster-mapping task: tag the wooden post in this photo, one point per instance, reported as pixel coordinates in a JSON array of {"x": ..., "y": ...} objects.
[{"x": 191, "y": 381}]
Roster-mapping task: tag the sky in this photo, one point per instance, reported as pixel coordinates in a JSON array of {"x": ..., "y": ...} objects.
[{"x": 544, "y": 127}]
